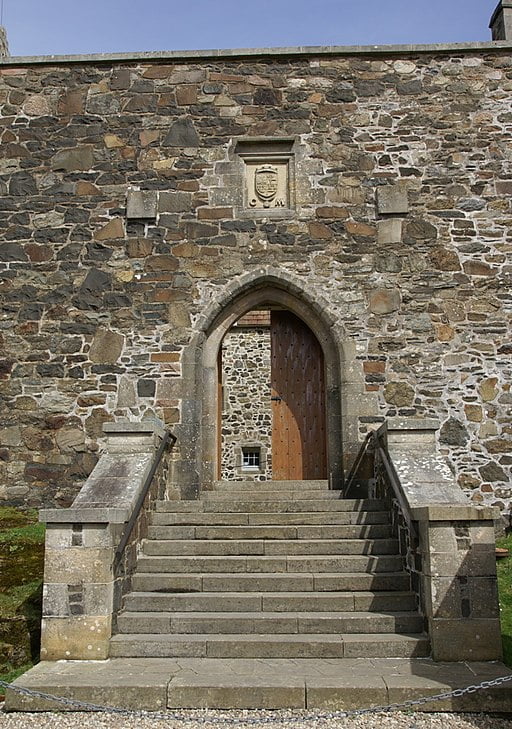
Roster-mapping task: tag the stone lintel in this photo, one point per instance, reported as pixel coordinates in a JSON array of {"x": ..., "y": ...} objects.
[
  {"x": 86, "y": 515},
  {"x": 455, "y": 512}
]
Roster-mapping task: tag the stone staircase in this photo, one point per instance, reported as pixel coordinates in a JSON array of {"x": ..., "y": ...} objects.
[{"x": 281, "y": 569}]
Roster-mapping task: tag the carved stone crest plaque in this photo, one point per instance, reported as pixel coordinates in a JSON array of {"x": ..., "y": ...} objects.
[{"x": 267, "y": 185}]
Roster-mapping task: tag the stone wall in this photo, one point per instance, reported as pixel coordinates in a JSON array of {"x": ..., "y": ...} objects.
[
  {"x": 399, "y": 217},
  {"x": 247, "y": 408}
]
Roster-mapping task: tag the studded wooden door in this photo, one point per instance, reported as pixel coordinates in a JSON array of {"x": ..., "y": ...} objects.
[{"x": 298, "y": 400}]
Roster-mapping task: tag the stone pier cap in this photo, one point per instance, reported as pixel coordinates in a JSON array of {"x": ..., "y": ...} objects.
[{"x": 110, "y": 493}]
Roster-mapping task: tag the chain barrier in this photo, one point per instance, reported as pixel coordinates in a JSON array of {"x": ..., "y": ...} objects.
[{"x": 78, "y": 705}]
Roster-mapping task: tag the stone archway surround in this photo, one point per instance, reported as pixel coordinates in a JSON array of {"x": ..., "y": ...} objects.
[{"x": 345, "y": 397}]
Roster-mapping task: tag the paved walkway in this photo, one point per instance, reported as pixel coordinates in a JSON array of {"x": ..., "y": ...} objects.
[{"x": 155, "y": 684}]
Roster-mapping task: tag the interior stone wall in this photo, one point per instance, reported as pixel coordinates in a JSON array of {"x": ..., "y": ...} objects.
[
  {"x": 122, "y": 219},
  {"x": 247, "y": 408}
]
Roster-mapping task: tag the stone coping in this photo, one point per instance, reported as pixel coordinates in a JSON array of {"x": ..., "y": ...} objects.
[
  {"x": 245, "y": 53},
  {"x": 454, "y": 512},
  {"x": 127, "y": 426},
  {"x": 87, "y": 515}
]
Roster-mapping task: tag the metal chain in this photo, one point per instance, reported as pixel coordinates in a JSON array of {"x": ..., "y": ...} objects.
[{"x": 325, "y": 716}]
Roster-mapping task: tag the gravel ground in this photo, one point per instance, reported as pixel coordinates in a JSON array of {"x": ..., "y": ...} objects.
[{"x": 242, "y": 720}]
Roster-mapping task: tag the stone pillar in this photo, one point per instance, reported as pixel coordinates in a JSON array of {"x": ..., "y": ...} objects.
[
  {"x": 81, "y": 588},
  {"x": 501, "y": 21},
  {"x": 455, "y": 562},
  {"x": 460, "y": 596},
  {"x": 78, "y": 596}
]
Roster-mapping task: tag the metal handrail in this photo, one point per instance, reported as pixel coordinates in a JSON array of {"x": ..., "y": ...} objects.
[
  {"x": 393, "y": 478},
  {"x": 168, "y": 437},
  {"x": 355, "y": 466},
  {"x": 377, "y": 440}
]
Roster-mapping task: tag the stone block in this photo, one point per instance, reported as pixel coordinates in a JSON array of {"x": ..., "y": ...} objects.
[
  {"x": 77, "y": 564},
  {"x": 346, "y": 692},
  {"x": 55, "y": 600},
  {"x": 182, "y": 134},
  {"x": 384, "y": 301},
  {"x": 58, "y": 536},
  {"x": 391, "y": 200},
  {"x": 10, "y": 436},
  {"x": 461, "y": 597},
  {"x": 461, "y": 563},
  {"x": 76, "y": 638},
  {"x": 105, "y": 683},
  {"x": 189, "y": 690},
  {"x": 98, "y": 598},
  {"x": 74, "y": 159},
  {"x": 389, "y": 232},
  {"x": 466, "y": 640},
  {"x": 141, "y": 204}
]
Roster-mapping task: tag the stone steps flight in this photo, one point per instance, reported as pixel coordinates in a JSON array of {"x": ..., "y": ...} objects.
[{"x": 270, "y": 570}]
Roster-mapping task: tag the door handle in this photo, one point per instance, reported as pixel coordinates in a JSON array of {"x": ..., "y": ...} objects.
[{"x": 276, "y": 399}]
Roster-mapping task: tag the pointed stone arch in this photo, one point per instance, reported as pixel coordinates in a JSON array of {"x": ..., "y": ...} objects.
[{"x": 267, "y": 286}]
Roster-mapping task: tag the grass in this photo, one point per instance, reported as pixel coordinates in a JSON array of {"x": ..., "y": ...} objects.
[
  {"x": 21, "y": 571},
  {"x": 504, "y": 569}
]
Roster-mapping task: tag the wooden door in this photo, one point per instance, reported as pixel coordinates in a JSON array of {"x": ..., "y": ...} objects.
[{"x": 298, "y": 400}]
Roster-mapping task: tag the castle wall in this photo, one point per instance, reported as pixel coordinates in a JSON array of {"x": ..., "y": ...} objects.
[
  {"x": 247, "y": 408},
  {"x": 127, "y": 207}
]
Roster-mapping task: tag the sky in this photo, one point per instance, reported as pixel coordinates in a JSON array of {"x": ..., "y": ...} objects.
[{"x": 47, "y": 27}]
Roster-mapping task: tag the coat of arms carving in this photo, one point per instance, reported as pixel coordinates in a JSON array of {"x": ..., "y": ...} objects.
[
  {"x": 266, "y": 183},
  {"x": 267, "y": 186}
]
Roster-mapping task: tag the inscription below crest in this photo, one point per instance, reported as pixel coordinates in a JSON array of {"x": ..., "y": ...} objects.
[{"x": 267, "y": 185}]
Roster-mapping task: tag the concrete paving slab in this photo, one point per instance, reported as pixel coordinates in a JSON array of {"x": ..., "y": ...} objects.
[
  {"x": 354, "y": 692},
  {"x": 140, "y": 684},
  {"x": 331, "y": 684}
]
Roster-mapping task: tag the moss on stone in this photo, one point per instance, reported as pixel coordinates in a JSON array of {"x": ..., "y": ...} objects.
[{"x": 21, "y": 579}]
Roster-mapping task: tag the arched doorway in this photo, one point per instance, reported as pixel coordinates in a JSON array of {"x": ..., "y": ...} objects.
[
  {"x": 197, "y": 467},
  {"x": 272, "y": 415}
]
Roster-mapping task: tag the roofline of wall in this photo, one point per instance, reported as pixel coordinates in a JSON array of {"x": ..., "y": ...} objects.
[{"x": 276, "y": 53}]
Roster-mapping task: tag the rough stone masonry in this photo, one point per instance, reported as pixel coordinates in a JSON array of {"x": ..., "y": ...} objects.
[{"x": 125, "y": 214}]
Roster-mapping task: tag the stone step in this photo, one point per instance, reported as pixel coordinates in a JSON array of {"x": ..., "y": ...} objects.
[
  {"x": 234, "y": 602},
  {"x": 275, "y": 564},
  {"x": 248, "y": 505},
  {"x": 270, "y": 485},
  {"x": 224, "y": 547},
  {"x": 261, "y": 582},
  {"x": 268, "y": 622},
  {"x": 380, "y": 645},
  {"x": 281, "y": 495},
  {"x": 300, "y": 532},
  {"x": 269, "y": 518}
]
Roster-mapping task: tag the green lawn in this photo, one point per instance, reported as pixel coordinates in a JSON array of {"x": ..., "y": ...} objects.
[
  {"x": 21, "y": 571},
  {"x": 504, "y": 568}
]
